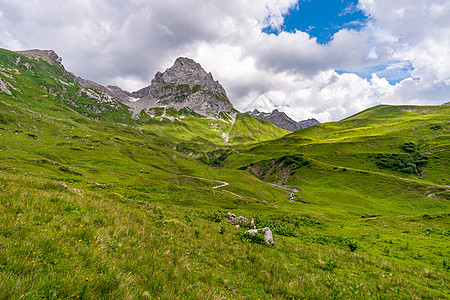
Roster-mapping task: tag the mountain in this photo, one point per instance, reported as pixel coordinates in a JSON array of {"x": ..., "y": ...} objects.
[
  {"x": 183, "y": 107},
  {"x": 185, "y": 85},
  {"x": 94, "y": 209},
  {"x": 281, "y": 120}
]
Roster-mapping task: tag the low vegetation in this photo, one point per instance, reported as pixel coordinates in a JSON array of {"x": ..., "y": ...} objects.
[{"x": 96, "y": 210}]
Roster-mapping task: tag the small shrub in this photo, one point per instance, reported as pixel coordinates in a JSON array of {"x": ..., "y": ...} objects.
[
  {"x": 352, "y": 244},
  {"x": 253, "y": 238},
  {"x": 436, "y": 127},
  {"x": 446, "y": 265},
  {"x": 222, "y": 229},
  {"x": 409, "y": 147},
  {"x": 216, "y": 217},
  {"x": 421, "y": 159}
]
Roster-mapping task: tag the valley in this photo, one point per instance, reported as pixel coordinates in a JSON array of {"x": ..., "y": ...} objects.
[{"x": 104, "y": 198}]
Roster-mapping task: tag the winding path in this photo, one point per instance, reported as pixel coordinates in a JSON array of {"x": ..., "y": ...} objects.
[{"x": 222, "y": 184}]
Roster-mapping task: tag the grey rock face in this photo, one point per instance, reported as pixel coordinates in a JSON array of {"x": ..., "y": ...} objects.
[
  {"x": 110, "y": 90},
  {"x": 185, "y": 85},
  {"x": 281, "y": 120},
  {"x": 267, "y": 234},
  {"x": 49, "y": 56}
]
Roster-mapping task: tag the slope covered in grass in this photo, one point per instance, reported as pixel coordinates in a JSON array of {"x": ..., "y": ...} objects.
[
  {"x": 54, "y": 89},
  {"x": 92, "y": 209}
]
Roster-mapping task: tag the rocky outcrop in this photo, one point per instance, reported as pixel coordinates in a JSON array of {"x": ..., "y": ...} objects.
[
  {"x": 236, "y": 221},
  {"x": 5, "y": 87},
  {"x": 267, "y": 234},
  {"x": 49, "y": 56},
  {"x": 281, "y": 120},
  {"x": 110, "y": 90},
  {"x": 185, "y": 85}
]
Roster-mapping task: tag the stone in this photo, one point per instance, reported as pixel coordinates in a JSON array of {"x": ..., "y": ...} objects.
[
  {"x": 243, "y": 220},
  {"x": 267, "y": 234},
  {"x": 234, "y": 220}
]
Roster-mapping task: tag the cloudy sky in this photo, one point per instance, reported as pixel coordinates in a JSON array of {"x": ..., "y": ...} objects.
[{"x": 326, "y": 59}]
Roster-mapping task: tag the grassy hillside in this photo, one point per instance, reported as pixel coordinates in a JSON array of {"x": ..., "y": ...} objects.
[
  {"x": 91, "y": 209},
  {"x": 188, "y": 132}
]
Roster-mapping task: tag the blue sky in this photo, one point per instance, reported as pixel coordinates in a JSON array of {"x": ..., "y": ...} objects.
[{"x": 321, "y": 19}]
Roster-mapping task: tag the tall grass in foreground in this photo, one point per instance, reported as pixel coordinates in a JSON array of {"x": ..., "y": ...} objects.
[{"x": 74, "y": 243}]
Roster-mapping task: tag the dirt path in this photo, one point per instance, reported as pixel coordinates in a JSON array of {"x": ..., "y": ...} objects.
[{"x": 222, "y": 183}]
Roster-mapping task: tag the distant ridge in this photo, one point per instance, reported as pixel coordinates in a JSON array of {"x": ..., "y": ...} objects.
[{"x": 282, "y": 120}]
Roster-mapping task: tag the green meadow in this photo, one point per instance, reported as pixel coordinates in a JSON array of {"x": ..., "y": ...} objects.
[{"x": 94, "y": 209}]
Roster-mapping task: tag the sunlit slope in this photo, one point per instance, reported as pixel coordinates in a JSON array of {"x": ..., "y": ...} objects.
[
  {"x": 45, "y": 87},
  {"x": 183, "y": 130},
  {"x": 96, "y": 210},
  {"x": 356, "y": 141},
  {"x": 346, "y": 160}
]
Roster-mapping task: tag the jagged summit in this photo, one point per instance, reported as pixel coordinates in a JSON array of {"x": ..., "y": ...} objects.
[
  {"x": 184, "y": 85},
  {"x": 282, "y": 120}
]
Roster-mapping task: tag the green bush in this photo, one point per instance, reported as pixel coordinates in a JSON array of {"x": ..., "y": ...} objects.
[
  {"x": 296, "y": 161},
  {"x": 286, "y": 225},
  {"x": 421, "y": 159},
  {"x": 409, "y": 147},
  {"x": 436, "y": 127},
  {"x": 352, "y": 244},
  {"x": 398, "y": 162},
  {"x": 216, "y": 217},
  {"x": 253, "y": 238}
]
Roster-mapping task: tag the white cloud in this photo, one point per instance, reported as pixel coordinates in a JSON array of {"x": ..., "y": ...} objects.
[{"x": 126, "y": 42}]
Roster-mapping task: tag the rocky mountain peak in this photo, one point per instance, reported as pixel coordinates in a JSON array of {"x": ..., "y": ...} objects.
[
  {"x": 186, "y": 71},
  {"x": 282, "y": 120},
  {"x": 184, "y": 85}
]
